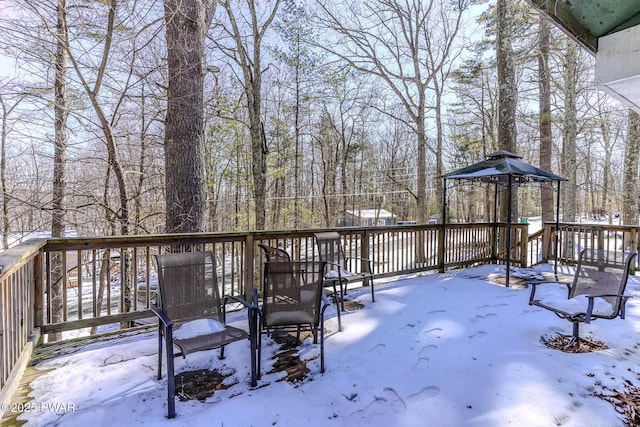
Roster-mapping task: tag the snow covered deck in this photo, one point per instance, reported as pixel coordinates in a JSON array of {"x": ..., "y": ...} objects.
[{"x": 447, "y": 349}]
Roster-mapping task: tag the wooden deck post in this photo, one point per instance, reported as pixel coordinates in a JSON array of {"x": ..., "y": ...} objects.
[
  {"x": 38, "y": 284},
  {"x": 250, "y": 266},
  {"x": 523, "y": 245}
]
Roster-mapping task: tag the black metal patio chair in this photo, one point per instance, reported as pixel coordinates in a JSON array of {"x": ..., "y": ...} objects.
[
  {"x": 293, "y": 301},
  {"x": 597, "y": 291},
  {"x": 188, "y": 292},
  {"x": 337, "y": 270}
]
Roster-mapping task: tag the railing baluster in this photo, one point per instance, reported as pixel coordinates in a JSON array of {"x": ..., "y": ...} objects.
[
  {"x": 107, "y": 283},
  {"x": 94, "y": 285},
  {"x": 79, "y": 282}
]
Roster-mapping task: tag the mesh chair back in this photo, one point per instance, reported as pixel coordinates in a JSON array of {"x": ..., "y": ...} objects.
[
  {"x": 292, "y": 293},
  {"x": 330, "y": 248},
  {"x": 597, "y": 275},
  {"x": 189, "y": 286},
  {"x": 273, "y": 254}
]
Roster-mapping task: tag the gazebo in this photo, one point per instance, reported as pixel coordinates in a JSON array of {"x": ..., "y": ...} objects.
[{"x": 506, "y": 169}]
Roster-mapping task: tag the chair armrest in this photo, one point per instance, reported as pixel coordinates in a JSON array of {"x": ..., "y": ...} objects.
[
  {"x": 534, "y": 286},
  {"x": 162, "y": 316},
  {"x": 325, "y": 299},
  {"x": 623, "y": 303},
  {"x": 362, "y": 259},
  {"x": 324, "y": 307},
  {"x": 237, "y": 299},
  {"x": 335, "y": 266},
  {"x": 252, "y": 308}
]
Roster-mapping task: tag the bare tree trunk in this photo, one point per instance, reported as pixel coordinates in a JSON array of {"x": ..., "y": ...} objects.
[
  {"x": 421, "y": 200},
  {"x": 569, "y": 139},
  {"x": 329, "y": 157},
  {"x": 3, "y": 177},
  {"x": 630, "y": 205},
  {"x": 607, "y": 190},
  {"x": 344, "y": 158},
  {"x": 546, "y": 139},
  {"x": 113, "y": 161},
  {"x": 105, "y": 123},
  {"x": 6, "y": 111},
  {"x": 439, "y": 141},
  {"x": 507, "y": 93},
  {"x": 298, "y": 150},
  {"x": 421, "y": 163},
  {"x": 59, "y": 162},
  {"x": 249, "y": 59},
  {"x": 141, "y": 166},
  {"x": 187, "y": 22}
]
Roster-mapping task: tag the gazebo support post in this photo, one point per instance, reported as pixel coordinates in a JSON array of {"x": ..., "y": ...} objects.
[
  {"x": 443, "y": 232},
  {"x": 509, "y": 212},
  {"x": 494, "y": 247},
  {"x": 557, "y": 234}
]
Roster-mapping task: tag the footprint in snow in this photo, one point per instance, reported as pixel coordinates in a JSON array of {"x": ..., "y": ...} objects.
[
  {"x": 378, "y": 347},
  {"x": 382, "y": 406},
  {"x": 426, "y": 393},
  {"x": 478, "y": 334},
  {"x": 393, "y": 399},
  {"x": 491, "y": 305},
  {"x": 427, "y": 349},
  {"x": 481, "y": 317},
  {"x": 422, "y": 364}
]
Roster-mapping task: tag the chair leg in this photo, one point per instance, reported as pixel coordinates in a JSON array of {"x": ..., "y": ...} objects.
[
  {"x": 575, "y": 337},
  {"x": 576, "y": 332},
  {"x": 338, "y": 310},
  {"x": 322, "y": 344},
  {"x": 221, "y": 353},
  {"x": 373, "y": 297},
  {"x": 171, "y": 379},
  {"x": 160, "y": 338},
  {"x": 259, "y": 339},
  {"x": 255, "y": 352},
  {"x": 255, "y": 338}
]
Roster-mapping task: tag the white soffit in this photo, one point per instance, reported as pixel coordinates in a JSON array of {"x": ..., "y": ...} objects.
[{"x": 618, "y": 66}]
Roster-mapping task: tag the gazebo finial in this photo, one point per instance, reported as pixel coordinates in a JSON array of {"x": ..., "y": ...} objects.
[{"x": 502, "y": 154}]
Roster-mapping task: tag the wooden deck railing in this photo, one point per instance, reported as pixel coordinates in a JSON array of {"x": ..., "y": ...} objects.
[
  {"x": 63, "y": 288},
  {"x": 617, "y": 241},
  {"x": 20, "y": 282}
]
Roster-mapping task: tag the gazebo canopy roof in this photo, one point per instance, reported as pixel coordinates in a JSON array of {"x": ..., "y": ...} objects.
[{"x": 501, "y": 165}]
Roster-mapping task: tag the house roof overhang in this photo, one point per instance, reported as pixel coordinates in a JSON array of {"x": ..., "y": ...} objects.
[
  {"x": 589, "y": 20},
  {"x": 609, "y": 29}
]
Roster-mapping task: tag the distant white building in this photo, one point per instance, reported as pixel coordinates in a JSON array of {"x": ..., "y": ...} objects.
[{"x": 367, "y": 218}]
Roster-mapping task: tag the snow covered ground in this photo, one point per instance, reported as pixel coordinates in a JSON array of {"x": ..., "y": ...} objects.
[{"x": 433, "y": 350}]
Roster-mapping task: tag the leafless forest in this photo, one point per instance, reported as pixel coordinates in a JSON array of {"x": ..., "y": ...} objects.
[{"x": 295, "y": 111}]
